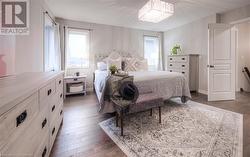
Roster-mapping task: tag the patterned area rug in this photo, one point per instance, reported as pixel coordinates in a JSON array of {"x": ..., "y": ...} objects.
[{"x": 190, "y": 130}]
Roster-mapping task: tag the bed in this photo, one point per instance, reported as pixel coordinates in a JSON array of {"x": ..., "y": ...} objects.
[{"x": 163, "y": 83}]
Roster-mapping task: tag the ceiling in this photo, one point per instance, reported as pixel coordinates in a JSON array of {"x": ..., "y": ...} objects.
[{"x": 124, "y": 12}]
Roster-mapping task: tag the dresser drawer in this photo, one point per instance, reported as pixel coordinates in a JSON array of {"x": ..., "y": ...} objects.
[
  {"x": 75, "y": 80},
  {"x": 27, "y": 142},
  {"x": 47, "y": 91},
  {"x": 178, "y": 59},
  {"x": 59, "y": 83},
  {"x": 179, "y": 66},
  {"x": 56, "y": 105},
  {"x": 44, "y": 149},
  {"x": 184, "y": 72},
  {"x": 18, "y": 119},
  {"x": 56, "y": 113},
  {"x": 54, "y": 129}
]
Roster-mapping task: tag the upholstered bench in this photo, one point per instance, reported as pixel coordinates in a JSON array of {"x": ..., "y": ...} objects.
[{"x": 146, "y": 101}]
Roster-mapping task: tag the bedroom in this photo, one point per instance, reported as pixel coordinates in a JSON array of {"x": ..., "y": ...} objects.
[{"x": 110, "y": 33}]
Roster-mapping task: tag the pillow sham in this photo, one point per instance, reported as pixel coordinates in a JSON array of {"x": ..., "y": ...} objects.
[{"x": 135, "y": 64}]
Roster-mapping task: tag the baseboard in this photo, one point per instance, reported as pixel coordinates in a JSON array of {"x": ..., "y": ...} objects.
[{"x": 202, "y": 91}]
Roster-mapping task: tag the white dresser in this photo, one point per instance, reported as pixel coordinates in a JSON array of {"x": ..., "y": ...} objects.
[
  {"x": 188, "y": 65},
  {"x": 31, "y": 113}
]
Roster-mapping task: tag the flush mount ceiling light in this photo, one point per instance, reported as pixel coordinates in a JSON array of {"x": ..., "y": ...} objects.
[{"x": 155, "y": 11}]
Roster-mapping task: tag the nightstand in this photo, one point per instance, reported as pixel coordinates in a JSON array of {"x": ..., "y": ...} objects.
[{"x": 75, "y": 85}]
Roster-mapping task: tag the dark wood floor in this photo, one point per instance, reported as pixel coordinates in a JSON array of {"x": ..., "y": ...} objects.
[{"x": 81, "y": 135}]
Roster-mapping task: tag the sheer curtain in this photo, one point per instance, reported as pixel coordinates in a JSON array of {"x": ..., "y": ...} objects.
[
  {"x": 57, "y": 49},
  {"x": 52, "y": 53},
  {"x": 152, "y": 52}
]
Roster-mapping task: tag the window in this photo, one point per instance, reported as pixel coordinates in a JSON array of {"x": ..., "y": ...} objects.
[
  {"x": 152, "y": 52},
  {"x": 77, "y": 55}
]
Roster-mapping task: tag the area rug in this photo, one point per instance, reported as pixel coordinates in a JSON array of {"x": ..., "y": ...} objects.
[{"x": 187, "y": 130}]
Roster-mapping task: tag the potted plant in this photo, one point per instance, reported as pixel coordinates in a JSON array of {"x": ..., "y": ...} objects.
[
  {"x": 176, "y": 49},
  {"x": 113, "y": 69}
]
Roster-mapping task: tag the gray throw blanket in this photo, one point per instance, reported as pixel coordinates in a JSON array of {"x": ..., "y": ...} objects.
[{"x": 111, "y": 88}]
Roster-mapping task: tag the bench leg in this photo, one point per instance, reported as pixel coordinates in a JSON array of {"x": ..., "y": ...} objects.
[
  {"x": 159, "y": 114},
  {"x": 151, "y": 112},
  {"x": 117, "y": 119},
  {"x": 121, "y": 123}
]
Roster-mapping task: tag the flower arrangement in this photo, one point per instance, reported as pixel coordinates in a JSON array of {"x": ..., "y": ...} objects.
[
  {"x": 176, "y": 49},
  {"x": 113, "y": 69}
]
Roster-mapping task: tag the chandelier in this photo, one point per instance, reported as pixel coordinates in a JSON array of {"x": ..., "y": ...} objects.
[{"x": 155, "y": 11}]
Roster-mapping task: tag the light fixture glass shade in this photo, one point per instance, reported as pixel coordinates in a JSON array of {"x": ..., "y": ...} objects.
[{"x": 155, "y": 11}]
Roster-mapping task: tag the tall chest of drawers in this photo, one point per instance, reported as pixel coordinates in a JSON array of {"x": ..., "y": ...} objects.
[
  {"x": 188, "y": 65},
  {"x": 31, "y": 113}
]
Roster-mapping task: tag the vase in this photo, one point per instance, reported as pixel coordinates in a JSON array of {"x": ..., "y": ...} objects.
[
  {"x": 3, "y": 66},
  {"x": 179, "y": 51}
]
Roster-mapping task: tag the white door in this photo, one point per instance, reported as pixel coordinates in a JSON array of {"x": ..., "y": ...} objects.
[{"x": 221, "y": 62}]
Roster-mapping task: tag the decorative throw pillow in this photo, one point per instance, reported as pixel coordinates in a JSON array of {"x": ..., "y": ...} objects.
[
  {"x": 135, "y": 64},
  {"x": 130, "y": 64},
  {"x": 142, "y": 65}
]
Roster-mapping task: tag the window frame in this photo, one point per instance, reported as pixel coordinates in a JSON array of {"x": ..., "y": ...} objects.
[{"x": 67, "y": 46}]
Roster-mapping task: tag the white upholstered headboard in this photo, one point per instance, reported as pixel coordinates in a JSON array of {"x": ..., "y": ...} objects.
[{"x": 101, "y": 57}]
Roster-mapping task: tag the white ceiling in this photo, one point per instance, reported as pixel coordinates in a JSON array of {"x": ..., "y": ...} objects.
[{"x": 124, "y": 12}]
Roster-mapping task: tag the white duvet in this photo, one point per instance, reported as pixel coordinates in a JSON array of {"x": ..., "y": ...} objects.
[{"x": 163, "y": 83}]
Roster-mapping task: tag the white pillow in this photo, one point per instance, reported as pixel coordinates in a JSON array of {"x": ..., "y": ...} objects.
[{"x": 101, "y": 66}]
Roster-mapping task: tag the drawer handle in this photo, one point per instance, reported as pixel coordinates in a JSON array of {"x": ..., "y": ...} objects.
[
  {"x": 44, "y": 123},
  {"x": 183, "y": 65},
  {"x": 60, "y": 81},
  {"x": 170, "y": 70},
  {"x": 21, "y": 118},
  {"x": 53, "y": 108},
  {"x": 183, "y": 58},
  {"x": 61, "y": 112},
  {"x": 44, "y": 152},
  {"x": 61, "y": 95},
  {"x": 170, "y": 58},
  {"x": 75, "y": 79},
  {"x": 183, "y": 72},
  {"x": 170, "y": 65},
  {"x": 53, "y": 131},
  {"x": 49, "y": 92}
]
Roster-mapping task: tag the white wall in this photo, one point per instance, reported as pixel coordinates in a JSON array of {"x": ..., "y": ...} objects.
[
  {"x": 7, "y": 49},
  {"x": 29, "y": 49},
  {"x": 193, "y": 38},
  {"x": 243, "y": 54},
  {"x": 106, "y": 38},
  {"x": 235, "y": 14}
]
